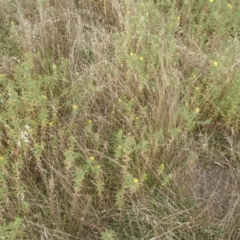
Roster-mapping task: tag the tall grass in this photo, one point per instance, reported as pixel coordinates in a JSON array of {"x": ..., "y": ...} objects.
[{"x": 119, "y": 119}]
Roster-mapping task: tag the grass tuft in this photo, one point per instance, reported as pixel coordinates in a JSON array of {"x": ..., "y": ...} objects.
[{"x": 119, "y": 119}]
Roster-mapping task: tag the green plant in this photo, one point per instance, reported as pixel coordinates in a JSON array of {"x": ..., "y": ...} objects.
[{"x": 116, "y": 119}]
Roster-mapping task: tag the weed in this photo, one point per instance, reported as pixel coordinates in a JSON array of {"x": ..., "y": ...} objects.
[{"x": 119, "y": 119}]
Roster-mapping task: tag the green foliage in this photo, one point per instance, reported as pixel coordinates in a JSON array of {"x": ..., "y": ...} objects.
[
  {"x": 13, "y": 230},
  {"x": 109, "y": 113},
  {"x": 107, "y": 235}
]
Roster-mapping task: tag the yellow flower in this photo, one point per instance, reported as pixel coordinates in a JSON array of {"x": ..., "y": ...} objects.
[
  {"x": 74, "y": 106},
  {"x": 141, "y": 58},
  {"x": 197, "y": 110},
  {"x": 215, "y": 64},
  {"x": 162, "y": 166},
  {"x": 229, "y": 5},
  {"x": 91, "y": 158},
  {"x": 89, "y": 121},
  {"x": 50, "y": 124},
  {"x": 131, "y": 54},
  {"x": 197, "y": 88},
  {"x": 54, "y": 67},
  {"x": 136, "y": 180},
  {"x": 178, "y": 18},
  {"x": 44, "y": 97},
  {"x": 211, "y": 1},
  {"x": 1, "y": 158}
]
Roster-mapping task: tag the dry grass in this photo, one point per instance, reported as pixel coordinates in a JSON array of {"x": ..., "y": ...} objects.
[{"x": 119, "y": 120}]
